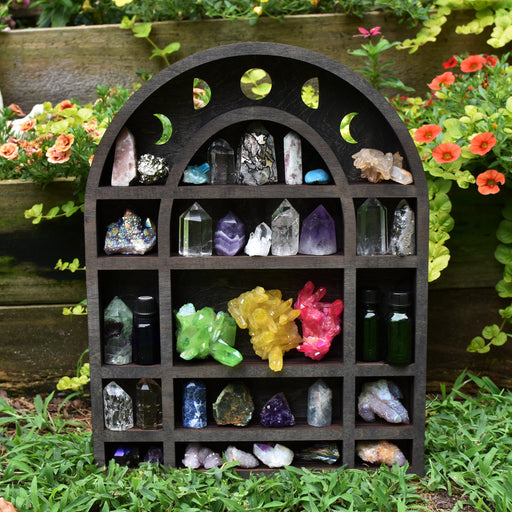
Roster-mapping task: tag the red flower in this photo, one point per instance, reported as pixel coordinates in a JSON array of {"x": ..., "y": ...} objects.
[
  {"x": 491, "y": 60},
  {"x": 367, "y": 33},
  {"x": 451, "y": 63},
  {"x": 427, "y": 132},
  {"x": 446, "y": 152},
  {"x": 65, "y": 104},
  {"x": 443, "y": 80},
  {"x": 488, "y": 182},
  {"x": 472, "y": 63},
  {"x": 16, "y": 109},
  {"x": 482, "y": 143}
]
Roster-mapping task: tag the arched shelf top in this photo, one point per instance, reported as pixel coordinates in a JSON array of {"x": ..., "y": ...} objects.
[{"x": 342, "y": 92}]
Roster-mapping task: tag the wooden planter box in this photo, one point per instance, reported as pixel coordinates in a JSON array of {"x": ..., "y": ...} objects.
[{"x": 54, "y": 64}]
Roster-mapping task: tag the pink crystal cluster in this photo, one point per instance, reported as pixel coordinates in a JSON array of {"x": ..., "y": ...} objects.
[{"x": 321, "y": 321}]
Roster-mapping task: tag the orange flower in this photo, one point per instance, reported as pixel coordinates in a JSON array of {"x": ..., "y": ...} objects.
[
  {"x": 9, "y": 150},
  {"x": 450, "y": 63},
  {"x": 482, "y": 143},
  {"x": 16, "y": 109},
  {"x": 65, "y": 104},
  {"x": 441, "y": 81},
  {"x": 491, "y": 60},
  {"x": 90, "y": 126},
  {"x": 446, "y": 152},
  {"x": 64, "y": 142},
  {"x": 488, "y": 182},
  {"x": 57, "y": 157},
  {"x": 27, "y": 125},
  {"x": 472, "y": 63},
  {"x": 427, "y": 132}
]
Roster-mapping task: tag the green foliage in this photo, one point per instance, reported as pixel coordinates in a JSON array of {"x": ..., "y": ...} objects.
[
  {"x": 66, "y": 210},
  {"x": 80, "y": 380}
]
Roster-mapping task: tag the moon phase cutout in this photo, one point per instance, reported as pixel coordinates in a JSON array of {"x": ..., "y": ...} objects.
[
  {"x": 345, "y": 128},
  {"x": 166, "y": 128}
]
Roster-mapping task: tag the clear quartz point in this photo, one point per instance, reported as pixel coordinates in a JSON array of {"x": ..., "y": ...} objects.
[
  {"x": 221, "y": 158},
  {"x": 403, "y": 231},
  {"x": 195, "y": 232},
  {"x": 372, "y": 230},
  {"x": 117, "y": 407},
  {"x": 285, "y": 230}
]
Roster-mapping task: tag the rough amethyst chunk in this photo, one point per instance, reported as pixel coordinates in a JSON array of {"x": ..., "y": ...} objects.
[{"x": 276, "y": 412}]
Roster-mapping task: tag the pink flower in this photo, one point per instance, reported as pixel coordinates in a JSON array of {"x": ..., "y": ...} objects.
[{"x": 368, "y": 33}]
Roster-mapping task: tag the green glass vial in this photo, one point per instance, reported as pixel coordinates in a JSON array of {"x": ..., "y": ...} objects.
[
  {"x": 399, "y": 332},
  {"x": 370, "y": 329}
]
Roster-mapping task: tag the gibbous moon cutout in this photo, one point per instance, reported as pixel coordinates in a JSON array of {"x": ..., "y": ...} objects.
[
  {"x": 345, "y": 128},
  {"x": 166, "y": 128}
]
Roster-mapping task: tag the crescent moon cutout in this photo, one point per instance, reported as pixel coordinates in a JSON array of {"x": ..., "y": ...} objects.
[
  {"x": 345, "y": 128},
  {"x": 166, "y": 128}
]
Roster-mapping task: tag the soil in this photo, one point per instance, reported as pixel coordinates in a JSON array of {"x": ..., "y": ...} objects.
[{"x": 80, "y": 410}]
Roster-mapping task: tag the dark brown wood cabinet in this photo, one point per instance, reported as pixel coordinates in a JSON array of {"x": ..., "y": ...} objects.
[{"x": 214, "y": 280}]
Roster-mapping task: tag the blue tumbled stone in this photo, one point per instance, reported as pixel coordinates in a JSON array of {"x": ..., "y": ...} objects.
[
  {"x": 194, "y": 404},
  {"x": 317, "y": 176}
]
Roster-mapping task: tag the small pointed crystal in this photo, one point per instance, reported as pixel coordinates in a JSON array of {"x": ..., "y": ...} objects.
[
  {"x": 117, "y": 332},
  {"x": 285, "y": 230},
  {"x": 259, "y": 241},
  {"x": 124, "y": 168},
  {"x": 372, "y": 230},
  {"x": 292, "y": 147},
  {"x": 319, "y": 404},
  {"x": 318, "y": 233},
  {"x": 195, "y": 232},
  {"x": 148, "y": 404},
  {"x": 117, "y": 407},
  {"x": 194, "y": 404},
  {"x": 403, "y": 236},
  {"x": 221, "y": 158},
  {"x": 229, "y": 235}
]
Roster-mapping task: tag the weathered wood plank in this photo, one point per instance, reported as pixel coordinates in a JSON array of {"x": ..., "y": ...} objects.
[{"x": 54, "y": 64}]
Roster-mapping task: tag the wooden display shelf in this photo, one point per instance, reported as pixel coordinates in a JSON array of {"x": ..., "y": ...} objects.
[{"x": 214, "y": 280}]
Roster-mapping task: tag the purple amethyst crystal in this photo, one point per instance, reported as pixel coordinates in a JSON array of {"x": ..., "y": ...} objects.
[
  {"x": 229, "y": 235},
  {"x": 276, "y": 412},
  {"x": 318, "y": 233}
]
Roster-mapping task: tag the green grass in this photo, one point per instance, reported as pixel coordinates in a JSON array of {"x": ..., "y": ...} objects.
[{"x": 46, "y": 464}]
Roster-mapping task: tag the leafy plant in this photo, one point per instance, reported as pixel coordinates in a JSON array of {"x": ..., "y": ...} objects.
[{"x": 79, "y": 381}]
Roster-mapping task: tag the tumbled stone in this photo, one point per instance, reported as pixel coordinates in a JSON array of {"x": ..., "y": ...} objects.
[
  {"x": 318, "y": 233},
  {"x": 276, "y": 412},
  {"x": 276, "y": 456},
  {"x": 319, "y": 404},
  {"x": 229, "y": 235},
  {"x": 380, "y": 452},
  {"x": 376, "y": 166},
  {"x": 117, "y": 407},
  {"x": 124, "y": 168},
  {"x": 382, "y": 398},
  {"x": 285, "y": 230},
  {"x": 221, "y": 158},
  {"x": 234, "y": 406},
  {"x": 256, "y": 157},
  {"x": 117, "y": 333},
  {"x": 259, "y": 241},
  {"x": 317, "y": 177},
  {"x": 402, "y": 241},
  {"x": 292, "y": 147},
  {"x": 196, "y": 174},
  {"x": 129, "y": 235},
  {"x": 244, "y": 459}
]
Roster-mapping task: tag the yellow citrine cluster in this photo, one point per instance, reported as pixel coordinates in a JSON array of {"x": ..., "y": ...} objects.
[{"x": 270, "y": 321}]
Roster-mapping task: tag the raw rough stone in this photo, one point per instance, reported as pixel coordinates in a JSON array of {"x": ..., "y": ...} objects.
[
  {"x": 319, "y": 404},
  {"x": 196, "y": 174},
  {"x": 273, "y": 456},
  {"x": 244, "y": 459},
  {"x": 376, "y": 166},
  {"x": 318, "y": 233},
  {"x": 197, "y": 456},
  {"x": 259, "y": 241},
  {"x": 229, "y": 235},
  {"x": 117, "y": 407},
  {"x": 117, "y": 333},
  {"x": 151, "y": 169},
  {"x": 285, "y": 230},
  {"x": 381, "y": 398},
  {"x": 276, "y": 412},
  {"x": 129, "y": 236},
  {"x": 124, "y": 168},
  {"x": 403, "y": 232},
  {"x": 292, "y": 147},
  {"x": 256, "y": 157},
  {"x": 234, "y": 406},
  {"x": 378, "y": 452}
]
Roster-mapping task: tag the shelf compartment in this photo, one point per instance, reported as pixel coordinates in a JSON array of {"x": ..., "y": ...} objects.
[
  {"x": 405, "y": 445},
  {"x": 139, "y": 448}
]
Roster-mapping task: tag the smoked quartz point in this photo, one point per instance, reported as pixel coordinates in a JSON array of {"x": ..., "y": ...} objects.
[
  {"x": 321, "y": 321},
  {"x": 270, "y": 321}
]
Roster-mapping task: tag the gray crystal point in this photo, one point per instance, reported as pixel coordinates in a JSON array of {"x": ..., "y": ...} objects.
[
  {"x": 285, "y": 230},
  {"x": 381, "y": 398},
  {"x": 256, "y": 157},
  {"x": 319, "y": 404},
  {"x": 318, "y": 233},
  {"x": 292, "y": 147},
  {"x": 117, "y": 407},
  {"x": 129, "y": 235},
  {"x": 151, "y": 169},
  {"x": 372, "y": 228},
  {"x": 125, "y": 159},
  {"x": 221, "y": 158},
  {"x": 244, "y": 459},
  {"x": 195, "y": 232},
  {"x": 117, "y": 332},
  {"x": 259, "y": 241},
  {"x": 403, "y": 231}
]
